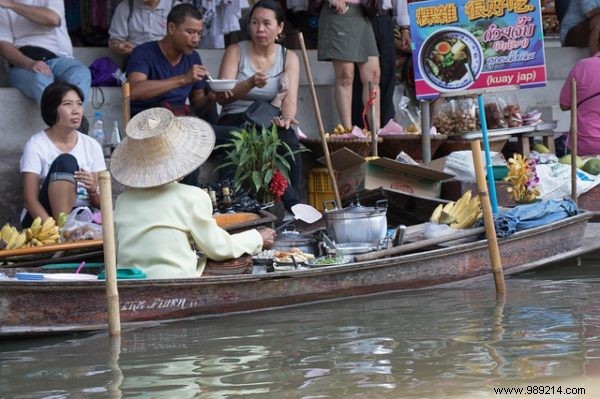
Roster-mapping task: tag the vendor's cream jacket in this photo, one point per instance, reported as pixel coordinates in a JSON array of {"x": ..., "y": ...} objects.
[{"x": 155, "y": 226}]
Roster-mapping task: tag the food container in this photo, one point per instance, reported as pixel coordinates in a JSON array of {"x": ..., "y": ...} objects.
[
  {"x": 357, "y": 223},
  {"x": 290, "y": 238},
  {"x": 221, "y": 84}
]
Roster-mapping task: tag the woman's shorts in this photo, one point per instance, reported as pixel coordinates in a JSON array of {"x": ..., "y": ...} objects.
[{"x": 345, "y": 37}]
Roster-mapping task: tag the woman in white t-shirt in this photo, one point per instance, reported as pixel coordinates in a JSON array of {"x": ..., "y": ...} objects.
[{"x": 60, "y": 165}]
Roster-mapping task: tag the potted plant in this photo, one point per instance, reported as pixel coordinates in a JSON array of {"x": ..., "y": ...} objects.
[{"x": 259, "y": 159}]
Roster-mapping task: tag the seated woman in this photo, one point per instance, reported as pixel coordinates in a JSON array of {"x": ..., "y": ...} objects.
[
  {"x": 160, "y": 224},
  {"x": 265, "y": 70},
  {"x": 60, "y": 165}
]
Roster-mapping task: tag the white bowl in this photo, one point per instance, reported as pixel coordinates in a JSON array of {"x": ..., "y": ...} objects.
[{"x": 222, "y": 84}]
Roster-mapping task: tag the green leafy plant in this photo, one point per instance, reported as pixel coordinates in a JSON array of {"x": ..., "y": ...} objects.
[{"x": 258, "y": 157}]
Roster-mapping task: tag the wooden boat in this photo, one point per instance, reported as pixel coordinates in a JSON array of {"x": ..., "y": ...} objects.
[{"x": 44, "y": 307}]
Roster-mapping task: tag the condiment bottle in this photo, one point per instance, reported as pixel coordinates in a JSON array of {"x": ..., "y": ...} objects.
[
  {"x": 226, "y": 204},
  {"x": 213, "y": 199}
]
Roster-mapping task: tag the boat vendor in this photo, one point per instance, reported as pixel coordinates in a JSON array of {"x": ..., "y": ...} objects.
[
  {"x": 587, "y": 79},
  {"x": 157, "y": 218}
]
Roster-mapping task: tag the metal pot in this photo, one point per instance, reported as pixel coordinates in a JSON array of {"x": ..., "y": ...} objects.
[
  {"x": 357, "y": 223},
  {"x": 290, "y": 238}
]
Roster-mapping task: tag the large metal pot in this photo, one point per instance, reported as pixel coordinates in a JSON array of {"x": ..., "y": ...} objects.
[
  {"x": 290, "y": 238},
  {"x": 357, "y": 223}
]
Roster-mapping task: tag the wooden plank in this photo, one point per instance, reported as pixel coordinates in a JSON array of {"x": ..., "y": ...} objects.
[{"x": 63, "y": 246}]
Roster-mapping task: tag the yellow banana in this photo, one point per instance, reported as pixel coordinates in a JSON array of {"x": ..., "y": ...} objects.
[
  {"x": 12, "y": 238},
  {"x": 435, "y": 216},
  {"x": 45, "y": 234},
  {"x": 37, "y": 222},
  {"x": 21, "y": 239},
  {"x": 62, "y": 219},
  {"x": 461, "y": 204},
  {"x": 5, "y": 232},
  {"x": 29, "y": 233},
  {"x": 47, "y": 225},
  {"x": 50, "y": 239},
  {"x": 35, "y": 242}
]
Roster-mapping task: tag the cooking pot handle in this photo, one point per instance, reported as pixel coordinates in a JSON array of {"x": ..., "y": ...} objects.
[
  {"x": 382, "y": 203},
  {"x": 329, "y": 202}
]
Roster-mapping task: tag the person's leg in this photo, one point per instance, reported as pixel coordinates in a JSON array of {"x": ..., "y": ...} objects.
[
  {"x": 384, "y": 33},
  {"x": 578, "y": 35},
  {"x": 369, "y": 72},
  {"x": 344, "y": 75},
  {"x": 31, "y": 84},
  {"x": 291, "y": 196},
  {"x": 59, "y": 190},
  {"x": 72, "y": 71},
  {"x": 357, "y": 106}
]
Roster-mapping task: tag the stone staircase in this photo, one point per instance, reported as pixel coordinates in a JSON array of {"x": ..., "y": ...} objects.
[{"x": 20, "y": 116}]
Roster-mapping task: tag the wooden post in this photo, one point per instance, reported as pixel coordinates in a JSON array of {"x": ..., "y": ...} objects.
[
  {"x": 488, "y": 219},
  {"x": 374, "y": 123},
  {"x": 126, "y": 99},
  {"x": 313, "y": 93},
  {"x": 110, "y": 258},
  {"x": 573, "y": 140}
]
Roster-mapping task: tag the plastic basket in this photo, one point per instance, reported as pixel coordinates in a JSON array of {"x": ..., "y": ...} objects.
[{"x": 319, "y": 187}]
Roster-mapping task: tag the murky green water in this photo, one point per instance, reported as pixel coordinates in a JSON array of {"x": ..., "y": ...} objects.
[{"x": 428, "y": 344}]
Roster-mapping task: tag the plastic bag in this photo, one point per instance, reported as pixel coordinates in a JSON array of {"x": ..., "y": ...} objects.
[
  {"x": 511, "y": 111},
  {"x": 79, "y": 226},
  {"x": 494, "y": 114},
  {"x": 408, "y": 117},
  {"x": 456, "y": 117}
]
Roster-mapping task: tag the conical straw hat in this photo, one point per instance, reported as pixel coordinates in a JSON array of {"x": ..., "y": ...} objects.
[{"x": 160, "y": 148}]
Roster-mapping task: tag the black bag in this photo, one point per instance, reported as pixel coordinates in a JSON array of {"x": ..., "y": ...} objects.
[
  {"x": 261, "y": 113},
  {"x": 37, "y": 53}
]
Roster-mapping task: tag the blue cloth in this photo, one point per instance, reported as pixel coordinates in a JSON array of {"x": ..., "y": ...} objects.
[
  {"x": 524, "y": 217},
  {"x": 148, "y": 59},
  {"x": 65, "y": 69}
]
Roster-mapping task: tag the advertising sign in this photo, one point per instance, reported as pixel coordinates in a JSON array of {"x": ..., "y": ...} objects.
[{"x": 472, "y": 45}]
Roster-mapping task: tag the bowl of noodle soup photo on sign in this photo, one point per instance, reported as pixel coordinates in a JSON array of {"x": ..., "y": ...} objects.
[{"x": 450, "y": 59}]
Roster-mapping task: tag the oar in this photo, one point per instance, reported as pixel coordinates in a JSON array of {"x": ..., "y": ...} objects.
[
  {"x": 313, "y": 94},
  {"x": 419, "y": 244},
  {"x": 110, "y": 254},
  {"x": 573, "y": 140}
]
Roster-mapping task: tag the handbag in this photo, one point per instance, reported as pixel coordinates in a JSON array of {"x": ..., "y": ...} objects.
[
  {"x": 261, "y": 113},
  {"x": 37, "y": 53}
]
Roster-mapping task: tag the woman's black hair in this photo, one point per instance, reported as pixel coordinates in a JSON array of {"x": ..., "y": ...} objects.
[
  {"x": 180, "y": 12},
  {"x": 52, "y": 98},
  {"x": 272, "y": 5}
]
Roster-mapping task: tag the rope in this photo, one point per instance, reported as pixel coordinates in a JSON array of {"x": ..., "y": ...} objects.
[{"x": 370, "y": 103}]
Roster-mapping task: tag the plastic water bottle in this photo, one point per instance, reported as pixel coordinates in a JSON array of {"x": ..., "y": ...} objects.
[
  {"x": 98, "y": 129},
  {"x": 115, "y": 136}
]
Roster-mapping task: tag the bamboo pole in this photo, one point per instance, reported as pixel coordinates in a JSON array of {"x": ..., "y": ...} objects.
[
  {"x": 126, "y": 99},
  {"x": 110, "y": 258},
  {"x": 313, "y": 93},
  {"x": 488, "y": 219},
  {"x": 573, "y": 140},
  {"x": 374, "y": 125}
]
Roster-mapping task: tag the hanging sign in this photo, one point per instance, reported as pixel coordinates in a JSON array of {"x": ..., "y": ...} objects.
[{"x": 472, "y": 45}]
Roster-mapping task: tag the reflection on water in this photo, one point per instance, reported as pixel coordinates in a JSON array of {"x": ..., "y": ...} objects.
[{"x": 434, "y": 343}]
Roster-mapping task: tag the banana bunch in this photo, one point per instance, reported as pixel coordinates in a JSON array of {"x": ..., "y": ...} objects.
[
  {"x": 11, "y": 238},
  {"x": 42, "y": 233},
  {"x": 461, "y": 214}
]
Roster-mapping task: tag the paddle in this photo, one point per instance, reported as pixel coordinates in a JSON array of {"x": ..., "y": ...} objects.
[
  {"x": 304, "y": 212},
  {"x": 419, "y": 244}
]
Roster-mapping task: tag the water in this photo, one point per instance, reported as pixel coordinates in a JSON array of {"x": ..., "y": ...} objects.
[{"x": 427, "y": 344}]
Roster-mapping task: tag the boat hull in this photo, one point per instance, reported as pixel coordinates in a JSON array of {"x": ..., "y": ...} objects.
[{"x": 28, "y": 308}]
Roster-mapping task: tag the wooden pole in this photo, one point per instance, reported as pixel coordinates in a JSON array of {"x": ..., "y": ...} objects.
[
  {"x": 313, "y": 93},
  {"x": 573, "y": 140},
  {"x": 374, "y": 125},
  {"x": 110, "y": 258},
  {"x": 126, "y": 99},
  {"x": 488, "y": 219}
]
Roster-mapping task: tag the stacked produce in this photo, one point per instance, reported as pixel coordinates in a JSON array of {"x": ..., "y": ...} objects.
[
  {"x": 461, "y": 214},
  {"x": 38, "y": 234},
  {"x": 341, "y": 132}
]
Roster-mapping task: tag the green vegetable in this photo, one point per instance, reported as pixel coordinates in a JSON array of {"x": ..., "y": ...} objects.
[
  {"x": 328, "y": 260},
  {"x": 592, "y": 166}
]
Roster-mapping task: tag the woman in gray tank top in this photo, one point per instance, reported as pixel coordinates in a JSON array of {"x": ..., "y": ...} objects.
[{"x": 265, "y": 70}]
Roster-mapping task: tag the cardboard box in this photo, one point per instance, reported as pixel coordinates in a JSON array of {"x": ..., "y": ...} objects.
[{"x": 353, "y": 172}]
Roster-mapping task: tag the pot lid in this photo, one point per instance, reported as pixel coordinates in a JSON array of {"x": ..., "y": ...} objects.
[{"x": 293, "y": 236}]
